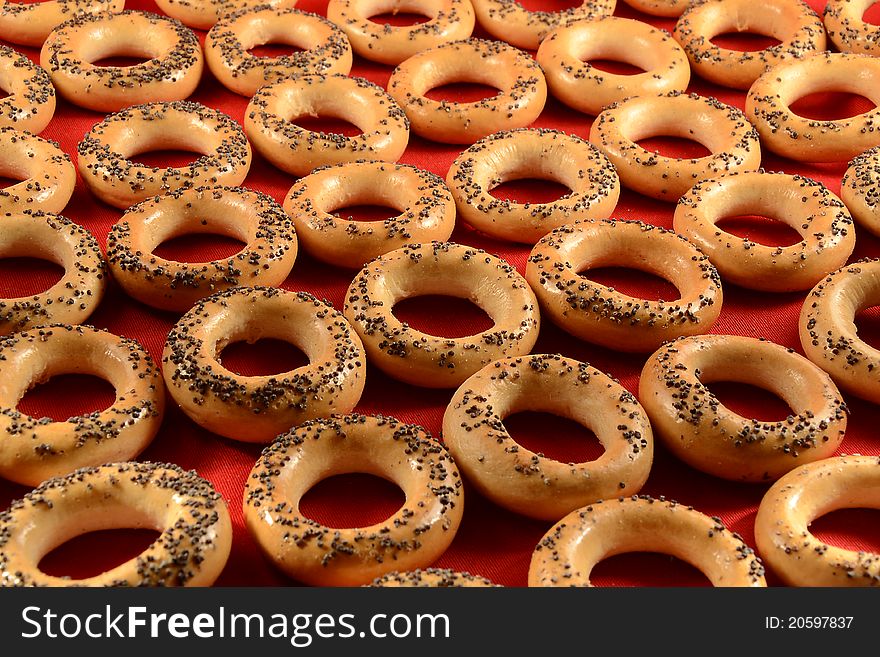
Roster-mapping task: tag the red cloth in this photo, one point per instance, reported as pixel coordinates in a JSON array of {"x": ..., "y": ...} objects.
[{"x": 491, "y": 542}]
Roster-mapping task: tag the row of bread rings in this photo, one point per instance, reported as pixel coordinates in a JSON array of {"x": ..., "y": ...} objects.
[{"x": 195, "y": 527}]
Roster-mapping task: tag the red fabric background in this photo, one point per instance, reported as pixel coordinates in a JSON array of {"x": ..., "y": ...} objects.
[{"x": 491, "y": 542}]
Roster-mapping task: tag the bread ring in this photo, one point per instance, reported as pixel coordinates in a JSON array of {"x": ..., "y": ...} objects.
[
  {"x": 722, "y": 129},
  {"x": 254, "y": 218},
  {"x": 782, "y": 526},
  {"x": 103, "y": 154},
  {"x": 520, "y": 100},
  {"x": 602, "y": 315},
  {"x": 258, "y": 408},
  {"x": 449, "y": 20},
  {"x": 793, "y": 23},
  {"x": 427, "y": 211},
  {"x": 531, "y": 484},
  {"x": 55, "y": 238},
  {"x": 172, "y": 71},
  {"x": 710, "y": 437},
  {"x": 860, "y": 189},
  {"x": 46, "y": 173},
  {"x": 670, "y": 8},
  {"x": 566, "y": 53},
  {"x": 531, "y": 153},
  {"x": 448, "y": 269},
  {"x": 269, "y": 118},
  {"x": 825, "y": 227},
  {"x": 203, "y": 14},
  {"x": 325, "y": 47},
  {"x": 509, "y": 21},
  {"x": 31, "y": 449},
  {"x": 310, "y": 552},
  {"x": 431, "y": 578},
  {"x": 828, "y": 331},
  {"x": 30, "y": 104},
  {"x": 571, "y": 549},
  {"x": 848, "y": 30},
  {"x": 29, "y": 24},
  {"x": 191, "y": 550},
  {"x": 808, "y": 140}
]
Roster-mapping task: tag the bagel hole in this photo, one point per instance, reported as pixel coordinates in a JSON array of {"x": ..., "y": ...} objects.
[
  {"x": 867, "y": 323},
  {"x": 872, "y": 14},
  {"x": 166, "y": 158},
  {"x": 366, "y": 212},
  {"x": 199, "y": 247},
  {"x": 121, "y": 61},
  {"x": 4, "y": 93},
  {"x": 745, "y": 41},
  {"x": 263, "y": 357},
  {"x": 760, "y": 229},
  {"x": 677, "y": 147},
  {"x": 442, "y": 316},
  {"x": 352, "y": 500},
  {"x": 93, "y": 553},
  {"x": 553, "y": 436},
  {"x": 850, "y": 529},
  {"x": 530, "y": 190},
  {"x": 831, "y": 105},
  {"x": 549, "y": 5},
  {"x": 633, "y": 282},
  {"x": 399, "y": 19},
  {"x": 615, "y": 67},
  {"x": 68, "y": 395},
  {"x": 633, "y": 569},
  {"x": 329, "y": 125},
  {"x": 6, "y": 181},
  {"x": 462, "y": 92},
  {"x": 750, "y": 401},
  {"x": 24, "y": 277},
  {"x": 275, "y": 49}
]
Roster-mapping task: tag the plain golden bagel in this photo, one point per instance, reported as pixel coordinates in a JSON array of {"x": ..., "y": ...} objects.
[
  {"x": 172, "y": 70},
  {"x": 431, "y": 578},
  {"x": 325, "y": 48},
  {"x": 529, "y": 483},
  {"x": 33, "y": 450},
  {"x": 808, "y": 140},
  {"x": 103, "y": 156},
  {"x": 203, "y": 14},
  {"x": 860, "y": 189},
  {"x": 695, "y": 426},
  {"x": 847, "y": 28},
  {"x": 30, "y": 103},
  {"x": 782, "y": 526},
  {"x": 724, "y": 130},
  {"x": 449, "y": 269},
  {"x": 571, "y": 549},
  {"x": 605, "y": 316},
  {"x": 29, "y": 24},
  {"x": 669, "y": 8},
  {"x": 57, "y": 239},
  {"x": 793, "y": 23},
  {"x": 509, "y": 21},
  {"x": 253, "y": 218},
  {"x": 45, "y": 172},
  {"x": 427, "y": 210},
  {"x": 520, "y": 99},
  {"x": 192, "y": 549},
  {"x": 258, "y": 408},
  {"x": 270, "y": 115},
  {"x": 448, "y": 20},
  {"x": 828, "y": 331},
  {"x": 531, "y": 153},
  {"x": 414, "y": 537},
  {"x": 807, "y": 206},
  {"x": 566, "y": 53}
]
